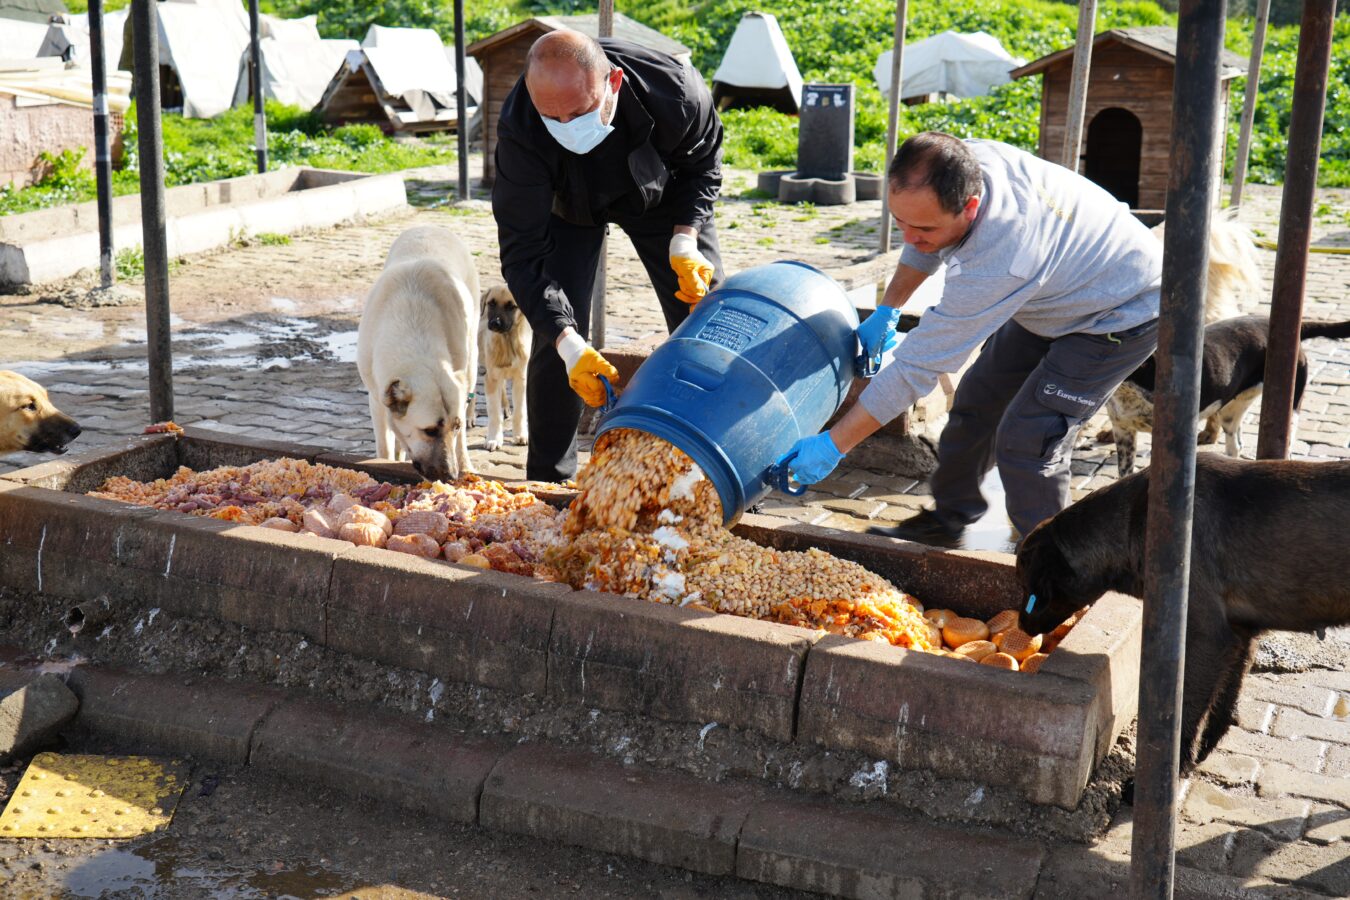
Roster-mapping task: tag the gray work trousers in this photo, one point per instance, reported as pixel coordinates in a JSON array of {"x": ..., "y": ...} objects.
[{"x": 1020, "y": 405}]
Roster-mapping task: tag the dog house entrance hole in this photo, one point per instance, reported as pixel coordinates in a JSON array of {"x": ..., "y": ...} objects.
[{"x": 1114, "y": 139}]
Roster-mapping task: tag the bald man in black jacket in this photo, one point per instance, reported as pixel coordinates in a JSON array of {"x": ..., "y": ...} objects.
[{"x": 597, "y": 133}]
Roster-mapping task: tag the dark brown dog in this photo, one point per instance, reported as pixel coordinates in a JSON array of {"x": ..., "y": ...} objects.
[{"x": 1267, "y": 552}]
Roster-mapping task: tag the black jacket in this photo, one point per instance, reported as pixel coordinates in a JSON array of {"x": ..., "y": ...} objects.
[{"x": 663, "y": 158}]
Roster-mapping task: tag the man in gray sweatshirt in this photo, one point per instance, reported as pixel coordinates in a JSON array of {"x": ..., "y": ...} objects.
[{"x": 1045, "y": 269}]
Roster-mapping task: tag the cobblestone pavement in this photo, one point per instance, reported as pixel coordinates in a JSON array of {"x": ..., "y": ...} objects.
[{"x": 264, "y": 345}]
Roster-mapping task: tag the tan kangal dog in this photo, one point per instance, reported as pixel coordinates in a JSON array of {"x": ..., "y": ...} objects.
[
  {"x": 504, "y": 348},
  {"x": 417, "y": 355},
  {"x": 29, "y": 421}
]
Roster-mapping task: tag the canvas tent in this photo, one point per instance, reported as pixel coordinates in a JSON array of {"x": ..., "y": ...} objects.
[
  {"x": 71, "y": 41},
  {"x": 200, "y": 44},
  {"x": 297, "y": 64},
  {"x": 399, "y": 78},
  {"x": 961, "y": 65},
  {"x": 21, "y": 39},
  {"x": 758, "y": 68}
]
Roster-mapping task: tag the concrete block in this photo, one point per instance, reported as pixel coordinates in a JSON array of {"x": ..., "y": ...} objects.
[
  {"x": 208, "y": 719},
  {"x": 143, "y": 457},
  {"x": 564, "y": 795},
  {"x": 1292, "y": 723},
  {"x": 208, "y": 448},
  {"x": 846, "y": 851},
  {"x": 455, "y": 622},
  {"x": 1036, "y": 733},
  {"x": 378, "y": 756},
  {"x": 33, "y": 715},
  {"x": 1321, "y": 868},
  {"x": 1280, "y": 817},
  {"x": 1277, "y": 779},
  {"x": 1304, "y": 754},
  {"x": 825, "y": 135},
  {"x": 676, "y": 664}
]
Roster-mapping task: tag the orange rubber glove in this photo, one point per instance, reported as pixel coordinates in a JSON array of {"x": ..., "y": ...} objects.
[
  {"x": 691, "y": 268},
  {"x": 584, "y": 366}
]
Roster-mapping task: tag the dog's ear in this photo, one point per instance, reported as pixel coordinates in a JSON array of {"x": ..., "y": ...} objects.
[
  {"x": 397, "y": 397},
  {"x": 483, "y": 300}
]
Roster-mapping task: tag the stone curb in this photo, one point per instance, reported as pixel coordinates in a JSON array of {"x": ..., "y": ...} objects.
[{"x": 509, "y": 633}]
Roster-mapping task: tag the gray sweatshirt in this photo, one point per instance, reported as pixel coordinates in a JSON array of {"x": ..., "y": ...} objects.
[{"x": 1048, "y": 249}]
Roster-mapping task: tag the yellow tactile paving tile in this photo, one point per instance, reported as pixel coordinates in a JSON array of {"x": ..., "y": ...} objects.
[{"x": 79, "y": 796}]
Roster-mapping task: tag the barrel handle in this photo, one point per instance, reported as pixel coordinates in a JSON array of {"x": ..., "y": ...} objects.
[
  {"x": 611, "y": 399},
  {"x": 866, "y": 366},
  {"x": 780, "y": 475}
]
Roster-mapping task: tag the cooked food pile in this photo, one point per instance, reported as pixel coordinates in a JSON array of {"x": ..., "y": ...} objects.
[{"x": 646, "y": 524}]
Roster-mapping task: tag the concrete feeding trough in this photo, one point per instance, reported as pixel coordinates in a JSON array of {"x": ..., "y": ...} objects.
[
  {"x": 1041, "y": 734},
  {"x": 54, "y": 243}
]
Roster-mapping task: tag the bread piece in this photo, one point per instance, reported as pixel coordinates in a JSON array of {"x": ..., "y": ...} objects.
[
  {"x": 961, "y": 630},
  {"x": 1033, "y": 662},
  {"x": 424, "y": 521},
  {"x": 276, "y": 523},
  {"x": 976, "y": 650},
  {"x": 316, "y": 521},
  {"x": 1002, "y": 621},
  {"x": 362, "y": 534},
  {"x": 423, "y": 545},
  {"x": 1000, "y": 661},
  {"x": 1017, "y": 643},
  {"x": 364, "y": 515},
  {"x": 476, "y": 560},
  {"x": 939, "y": 617}
]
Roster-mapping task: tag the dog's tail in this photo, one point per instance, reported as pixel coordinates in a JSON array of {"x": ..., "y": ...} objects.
[
  {"x": 1334, "y": 330},
  {"x": 1232, "y": 277}
]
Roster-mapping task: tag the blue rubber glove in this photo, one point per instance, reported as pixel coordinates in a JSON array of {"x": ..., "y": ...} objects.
[
  {"x": 877, "y": 332},
  {"x": 816, "y": 457}
]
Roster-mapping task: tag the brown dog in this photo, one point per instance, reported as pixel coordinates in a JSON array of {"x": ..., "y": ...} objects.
[
  {"x": 1267, "y": 552},
  {"x": 504, "y": 347},
  {"x": 29, "y": 421}
]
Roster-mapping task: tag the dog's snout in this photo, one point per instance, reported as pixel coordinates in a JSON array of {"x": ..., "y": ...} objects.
[{"x": 496, "y": 323}]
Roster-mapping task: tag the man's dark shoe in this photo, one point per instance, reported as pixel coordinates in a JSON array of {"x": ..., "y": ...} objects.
[{"x": 924, "y": 528}]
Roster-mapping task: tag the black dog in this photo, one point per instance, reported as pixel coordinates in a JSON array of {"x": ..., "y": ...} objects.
[
  {"x": 1231, "y": 375},
  {"x": 1267, "y": 552}
]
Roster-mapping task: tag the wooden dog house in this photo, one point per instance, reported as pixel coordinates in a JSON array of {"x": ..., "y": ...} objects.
[
  {"x": 1127, "y": 126},
  {"x": 502, "y": 58}
]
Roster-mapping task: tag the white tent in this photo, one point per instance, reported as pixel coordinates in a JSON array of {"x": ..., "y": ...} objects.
[
  {"x": 201, "y": 43},
  {"x": 758, "y": 68},
  {"x": 71, "y": 41},
  {"x": 411, "y": 60},
  {"x": 20, "y": 39},
  {"x": 306, "y": 28},
  {"x": 963, "y": 65},
  {"x": 294, "y": 71}
]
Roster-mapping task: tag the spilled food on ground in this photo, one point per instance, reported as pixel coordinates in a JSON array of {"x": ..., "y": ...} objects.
[{"x": 646, "y": 524}]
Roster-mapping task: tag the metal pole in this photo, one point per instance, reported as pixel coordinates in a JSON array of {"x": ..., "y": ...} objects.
[
  {"x": 255, "y": 72},
  {"x": 462, "y": 103},
  {"x": 605, "y": 28},
  {"x": 1249, "y": 102},
  {"x": 1296, "y": 215},
  {"x": 145, "y": 47},
  {"x": 1171, "y": 490},
  {"x": 102, "y": 158},
  {"x": 1082, "y": 69},
  {"x": 893, "y": 117}
]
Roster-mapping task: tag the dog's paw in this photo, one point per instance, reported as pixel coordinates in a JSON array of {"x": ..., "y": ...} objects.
[
  {"x": 492, "y": 444},
  {"x": 520, "y": 440}
]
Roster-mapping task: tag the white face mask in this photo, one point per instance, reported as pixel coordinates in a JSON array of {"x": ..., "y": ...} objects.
[{"x": 584, "y": 133}]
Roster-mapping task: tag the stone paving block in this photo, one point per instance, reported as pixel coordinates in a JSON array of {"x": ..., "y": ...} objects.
[
  {"x": 455, "y": 622},
  {"x": 548, "y": 792},
  {"x": 1304, "y": 754},
  {"x": 1324, "y": 868},
  {"x": 1231, "y": 768},
  {"x": 1037, "y": 734},
  {"x": 1327, "y": 824},
  {"x": 1337, "y": 762},
  {"x": 1255, "y": 715},
  {"x": 32, "y": 716},
  {"x": 1311, "y": 698},
  {"x": 1071, "y": 872},
  {"x": 616, "y": 653},
  {"x": 209, "y": 719},
  {"x": 1278, "y": 779},
  {"x": 842, "y": 523},
  {"x": 862, "y": 509},
  {"x": 380, "y": 756},
  {"x": 847, "y": 851},
  {"x": 1281, "y": 817},
  {"x": 1292, "y": 723}
]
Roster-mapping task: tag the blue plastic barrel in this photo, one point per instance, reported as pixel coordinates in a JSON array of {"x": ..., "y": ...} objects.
[{"x": 762, "y": 361}]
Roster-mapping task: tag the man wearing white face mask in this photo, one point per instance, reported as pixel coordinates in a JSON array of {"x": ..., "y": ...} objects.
[{"x": 598, "y": 133}]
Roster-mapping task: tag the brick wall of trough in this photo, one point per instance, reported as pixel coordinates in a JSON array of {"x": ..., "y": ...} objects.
[{"x": 1041, "y": 734}]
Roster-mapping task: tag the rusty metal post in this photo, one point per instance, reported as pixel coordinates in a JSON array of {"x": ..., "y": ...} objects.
[
  {"x": 1078, "y": 85},
  {"x": 1196, "y": 111},
  {"x": 1296, "y": 217},
  {"x": 102, "y": 154},
  {"x": 605, "y": 28},
  {"x": 893, "y": 117},
  {"x": 462, "y": 103},
  {"x": 150, "y": 144},
  {"x": 1249, "y": 103}
]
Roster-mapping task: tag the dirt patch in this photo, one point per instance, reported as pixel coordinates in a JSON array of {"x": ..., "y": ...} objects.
[{"x": 150, "y": 640}]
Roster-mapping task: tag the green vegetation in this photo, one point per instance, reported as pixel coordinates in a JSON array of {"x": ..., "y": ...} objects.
[{"x": 207, "y": 149}]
